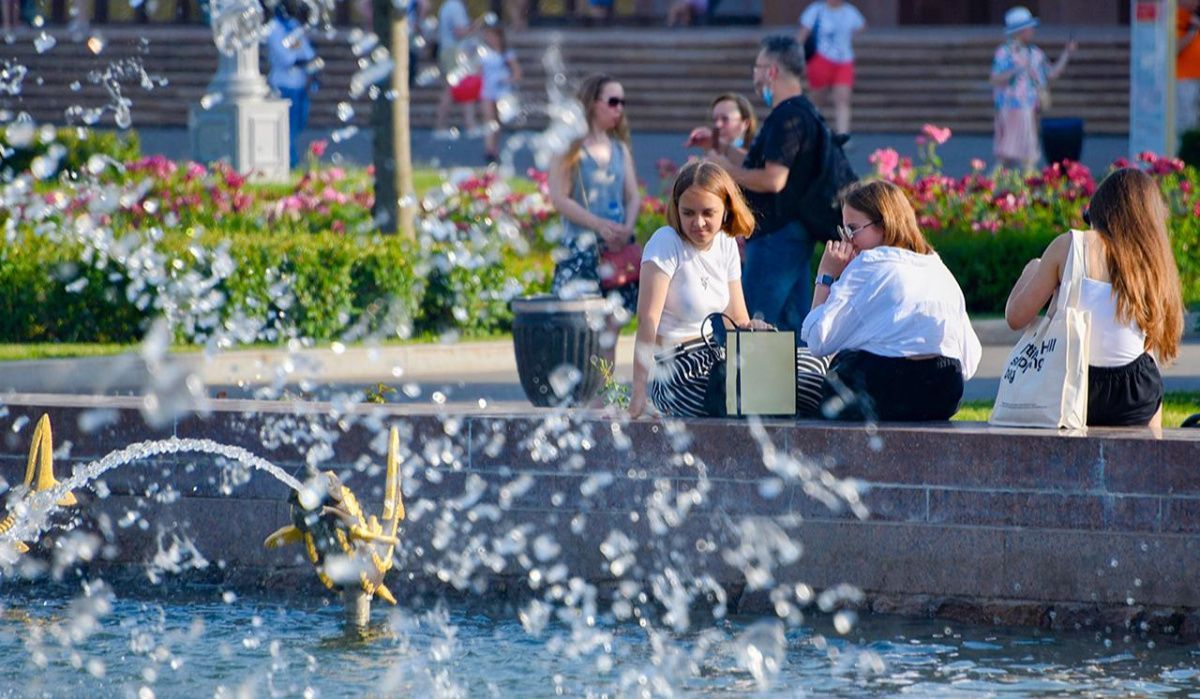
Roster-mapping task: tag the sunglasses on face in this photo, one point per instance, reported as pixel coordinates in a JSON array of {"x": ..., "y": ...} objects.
[
  {"x": 615, "y": 102},
  {"x": 847, "y": 233}
]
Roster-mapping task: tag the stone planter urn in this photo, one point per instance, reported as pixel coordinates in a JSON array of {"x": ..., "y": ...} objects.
[{"x": 556, "y": 341}]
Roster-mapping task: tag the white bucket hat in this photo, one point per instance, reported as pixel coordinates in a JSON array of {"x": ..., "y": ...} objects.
[{"x": 1018, "y": 18}]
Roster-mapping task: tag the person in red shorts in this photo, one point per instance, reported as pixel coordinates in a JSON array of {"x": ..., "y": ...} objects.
[{"x": 835, "y": 23}]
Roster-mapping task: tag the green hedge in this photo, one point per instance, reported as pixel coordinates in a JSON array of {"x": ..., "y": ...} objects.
[
  {"x": 986, "y": 266},
  {"x": 78, "y": 145},
  {"x": 323, "y": 286}
]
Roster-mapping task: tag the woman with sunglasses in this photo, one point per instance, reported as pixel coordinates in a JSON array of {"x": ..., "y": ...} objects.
[
  {"x": 892, "y": 313},
  {"x": 593, "y": 185}
]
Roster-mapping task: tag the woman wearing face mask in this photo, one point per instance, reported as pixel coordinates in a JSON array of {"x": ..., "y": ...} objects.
[
  {"x": 690, "y": 269},
  {"x": 734, "y": 126},
  {"x": 594, "y": 187},
  {"x": 893, "y": 315}
]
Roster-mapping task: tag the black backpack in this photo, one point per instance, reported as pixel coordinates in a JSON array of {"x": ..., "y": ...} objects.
[{"x": 818, "y": 206}]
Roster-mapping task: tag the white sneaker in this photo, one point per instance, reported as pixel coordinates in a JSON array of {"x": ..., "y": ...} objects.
[{"x": 445, "y": 134}]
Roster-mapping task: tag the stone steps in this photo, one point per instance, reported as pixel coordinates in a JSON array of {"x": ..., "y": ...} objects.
[{"x": 903, "y": 82}]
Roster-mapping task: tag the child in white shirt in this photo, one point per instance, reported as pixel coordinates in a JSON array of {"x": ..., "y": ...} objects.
[{"x": 501, "y": 73}]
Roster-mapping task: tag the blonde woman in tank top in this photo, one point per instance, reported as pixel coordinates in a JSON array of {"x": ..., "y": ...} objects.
[{"x": 1131, "y": 286}]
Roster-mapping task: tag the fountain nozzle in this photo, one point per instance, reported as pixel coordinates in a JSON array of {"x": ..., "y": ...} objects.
[
  {"x": 39, "y": 474},
  {"x": 328, "y": 520}
]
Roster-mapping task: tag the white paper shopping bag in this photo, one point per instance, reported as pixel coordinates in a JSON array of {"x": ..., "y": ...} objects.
[
  {"x": 760, "y": 373},
  {"x": 1045, "y": 380}
]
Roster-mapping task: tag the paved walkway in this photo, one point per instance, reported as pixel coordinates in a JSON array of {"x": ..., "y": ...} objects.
[{"x": 461, "y": 374}]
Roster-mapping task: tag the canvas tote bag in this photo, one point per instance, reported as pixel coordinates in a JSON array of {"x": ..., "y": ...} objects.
[{"x": 1045, "y": 380}]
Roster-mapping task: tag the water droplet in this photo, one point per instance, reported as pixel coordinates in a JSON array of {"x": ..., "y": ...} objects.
[
  {"x": 345, "y": 111},
  {"x": 563, "y": 379},
  {"x": 44, "y": 42},
  {"x": 343, "y": 134}
]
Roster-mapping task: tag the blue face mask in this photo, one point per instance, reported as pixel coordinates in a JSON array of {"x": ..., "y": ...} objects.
[{"x": 768, "y": 95}]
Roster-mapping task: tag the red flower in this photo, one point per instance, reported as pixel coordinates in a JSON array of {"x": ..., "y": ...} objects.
[
  {"x": 317, "y": 148},
  {"x": 233, "y": 180}
]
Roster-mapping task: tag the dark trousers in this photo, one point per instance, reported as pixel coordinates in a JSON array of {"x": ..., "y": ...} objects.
[
  {"x": 861, "y": 386},
  {"x": 775, "y": 276}
]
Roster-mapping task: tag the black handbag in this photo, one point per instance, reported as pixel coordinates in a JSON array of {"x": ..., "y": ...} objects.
[
  {"x": 756, "y": 381},
  {"x": 714, "y": 392}
]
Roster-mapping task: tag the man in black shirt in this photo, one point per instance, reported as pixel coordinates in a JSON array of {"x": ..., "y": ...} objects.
[{"x": 781, "y": 163}]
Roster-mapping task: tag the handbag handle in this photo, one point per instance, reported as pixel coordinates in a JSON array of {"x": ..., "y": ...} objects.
[{"x": 711, "y": 340}]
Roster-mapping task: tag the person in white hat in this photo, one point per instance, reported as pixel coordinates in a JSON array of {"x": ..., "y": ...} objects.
[{"x": 1020, "y": 77}]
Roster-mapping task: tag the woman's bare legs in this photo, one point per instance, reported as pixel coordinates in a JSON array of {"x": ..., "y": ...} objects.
[{"x": 841, "y": 108}]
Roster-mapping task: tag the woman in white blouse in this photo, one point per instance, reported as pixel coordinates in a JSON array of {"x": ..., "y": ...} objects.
[
  {"x": 690, "y": 269},
  {"x": 892, "y": 313}
]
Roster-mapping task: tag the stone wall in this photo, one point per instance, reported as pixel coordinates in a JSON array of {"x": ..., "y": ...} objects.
[{"x": 964, "y": 520}]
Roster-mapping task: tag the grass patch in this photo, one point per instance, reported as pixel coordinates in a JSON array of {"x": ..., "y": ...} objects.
[
  {"x": 60, "y": 350},
  {"x": 1177, "y": 406}
]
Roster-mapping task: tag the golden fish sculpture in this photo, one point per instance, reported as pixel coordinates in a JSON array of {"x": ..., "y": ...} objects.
[
  {"x": 337, "y": 526},
  {"x": 39, "y": 475}
]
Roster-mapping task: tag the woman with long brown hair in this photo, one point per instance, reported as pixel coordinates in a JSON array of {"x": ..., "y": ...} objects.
[
  {"x": 593, "y": 185},
  {"x": 1130, "y": 286},
  {"x": 691, "y": 269},
  {"x": 892, "y": 313}
]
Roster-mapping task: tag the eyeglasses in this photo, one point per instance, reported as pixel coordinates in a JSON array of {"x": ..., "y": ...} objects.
[
  {"x": 615, "y": 102},
  {"x": 847, "y": 232}
]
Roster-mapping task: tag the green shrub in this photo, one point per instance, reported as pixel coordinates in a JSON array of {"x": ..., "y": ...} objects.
[
  {"x": 48, "y": 295},
  {"x": 72, "y": 146},
  {"x": 986, "y": 266},
  {"x": 316, "y": 285}
]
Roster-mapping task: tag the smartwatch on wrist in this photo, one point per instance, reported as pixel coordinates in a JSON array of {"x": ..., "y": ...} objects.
[{"x": 826, "y": 279}]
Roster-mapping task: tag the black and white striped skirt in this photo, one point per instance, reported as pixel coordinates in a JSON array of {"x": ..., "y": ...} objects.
[{"x": 679, "y": 380}]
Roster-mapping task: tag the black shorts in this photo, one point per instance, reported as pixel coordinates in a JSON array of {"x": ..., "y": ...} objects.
[
  {"x": 862, "y": 386},
  {"x": 1121, "y": 396}
]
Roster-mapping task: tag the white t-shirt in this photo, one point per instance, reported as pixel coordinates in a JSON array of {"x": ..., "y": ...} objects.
[
  {"x": 835, "y": 29},
  {"x": 497, "y": 76},
  {"x": 699, "y": 280},
  {"x": 895, "y": 303},
  {"x": 451, "y": 16}
]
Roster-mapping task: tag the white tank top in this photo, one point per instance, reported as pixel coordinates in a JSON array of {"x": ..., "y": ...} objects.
[{"x": 1112, "y": 343}]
